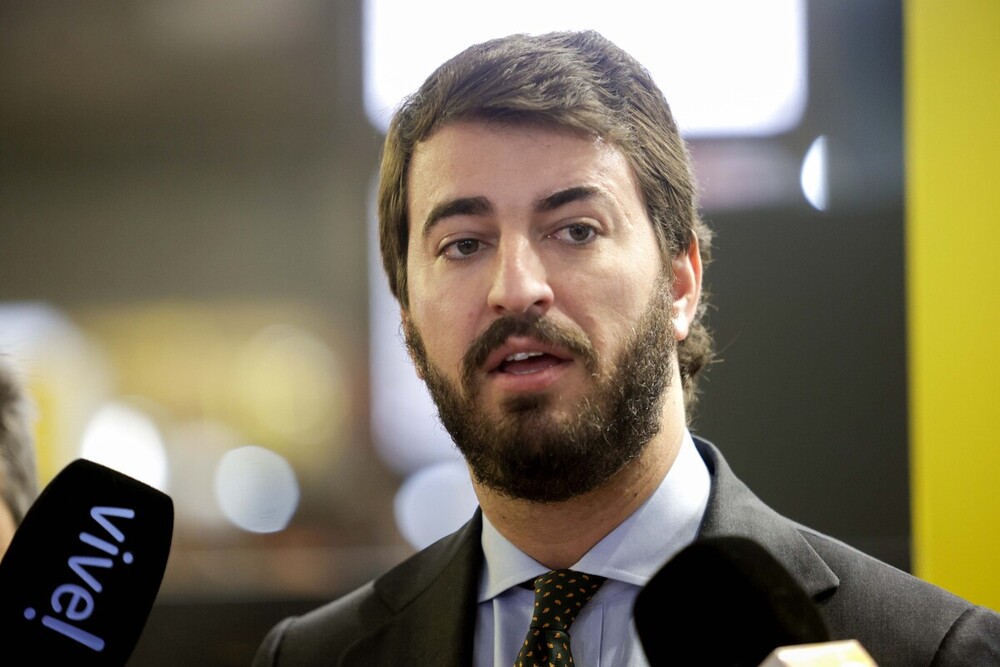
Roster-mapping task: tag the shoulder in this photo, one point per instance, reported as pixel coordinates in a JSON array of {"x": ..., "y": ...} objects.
[
  {"x": 898, "y": 618},
  {"x": 398, "y": 597},
  {"x": 327, "y": 630}
]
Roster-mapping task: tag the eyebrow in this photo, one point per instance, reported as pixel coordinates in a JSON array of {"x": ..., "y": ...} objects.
[
  {"x": 480, "y": 206},
  {"x": 567, "y": 196},
  {"x": 461, "y": 206}
]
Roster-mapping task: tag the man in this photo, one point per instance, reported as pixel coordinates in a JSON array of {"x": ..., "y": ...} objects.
[
  {"x": 539, "y": 228},
  {"x": 18, "y": 484}
]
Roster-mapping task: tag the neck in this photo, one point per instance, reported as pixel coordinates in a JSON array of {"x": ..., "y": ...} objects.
[{"x": 588, "y": 518}]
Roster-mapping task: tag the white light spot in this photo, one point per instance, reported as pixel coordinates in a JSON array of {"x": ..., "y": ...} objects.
[
  {"x": 814, "y": 179},
  {"x": 256, "y": 489},
  {"x": 433, "y": 502},
  {"x": 730, "y": 67},
  {"x": 122, "y": 438}
]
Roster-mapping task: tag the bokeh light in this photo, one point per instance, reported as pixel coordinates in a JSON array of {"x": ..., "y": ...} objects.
[
  {"x": 814, "y": 177},
  {"x": 750, "y": 78},
  {"x": 256, "y": 489},
  {"x": 433, "y": 502},
  {"x": 122, "y": 437},
  {"x": 289, "y": 385}
]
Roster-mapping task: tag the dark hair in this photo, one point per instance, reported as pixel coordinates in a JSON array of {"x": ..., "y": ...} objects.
[
  {"x": 578, "y": 81},
  {"x": 18, "y": 483}
]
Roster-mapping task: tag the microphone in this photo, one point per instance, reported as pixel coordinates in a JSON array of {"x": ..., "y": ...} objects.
[
  {"x": 81, "y": 573},
  {"x": 724, "y": 601}
]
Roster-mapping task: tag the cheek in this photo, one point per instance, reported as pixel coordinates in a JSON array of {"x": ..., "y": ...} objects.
[
  {"x": 447, "y": 331},
  {"x": 447, "y": 308},
  {"x": 612, "y": 306}
]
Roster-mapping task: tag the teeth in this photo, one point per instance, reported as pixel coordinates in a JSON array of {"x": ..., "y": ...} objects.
[{"x": 521, "y": 356}]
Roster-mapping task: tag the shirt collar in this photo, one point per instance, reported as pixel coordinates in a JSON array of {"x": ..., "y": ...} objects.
[{"x": 635, "y": 550}]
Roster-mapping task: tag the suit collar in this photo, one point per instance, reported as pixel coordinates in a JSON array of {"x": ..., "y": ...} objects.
[{"x": 734, "y": 510}]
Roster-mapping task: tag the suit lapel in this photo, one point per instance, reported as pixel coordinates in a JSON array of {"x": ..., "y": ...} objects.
[
  {"x": 432, "y": 604},
  {"x": 734, "y": 510}
]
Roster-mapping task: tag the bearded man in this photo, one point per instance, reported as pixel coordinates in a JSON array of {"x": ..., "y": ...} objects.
[{"x": 539, "y": 227}]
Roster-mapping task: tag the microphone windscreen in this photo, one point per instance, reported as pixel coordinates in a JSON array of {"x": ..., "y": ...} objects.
[
  {"x": 79, "y": 578},
  {"x": 723, "y": 601}
]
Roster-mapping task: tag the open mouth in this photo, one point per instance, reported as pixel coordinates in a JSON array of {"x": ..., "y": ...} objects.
[{"x": 525, "y": 363}]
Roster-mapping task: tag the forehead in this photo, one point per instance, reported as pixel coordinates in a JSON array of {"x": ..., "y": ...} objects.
[{"x": 471, "y": 158}]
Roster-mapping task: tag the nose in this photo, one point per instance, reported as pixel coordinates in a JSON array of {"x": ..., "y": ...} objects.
[{"x": 520, "y": 282}]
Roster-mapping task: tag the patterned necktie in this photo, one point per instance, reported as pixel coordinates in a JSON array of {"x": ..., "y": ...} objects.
[{"x": 559, "y": 597}]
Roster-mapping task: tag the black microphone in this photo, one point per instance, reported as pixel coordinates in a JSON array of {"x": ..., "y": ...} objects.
[
  {"x": 81, "y": 573},
  {"x": 726, "y": 602}
]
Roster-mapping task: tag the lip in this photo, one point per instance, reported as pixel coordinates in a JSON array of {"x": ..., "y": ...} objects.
[
  {"x": 526, "y": 382},
  {"x": 517, "y": 344}
]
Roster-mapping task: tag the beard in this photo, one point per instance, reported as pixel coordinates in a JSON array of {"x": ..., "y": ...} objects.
[{"x": 529, "y": 452}]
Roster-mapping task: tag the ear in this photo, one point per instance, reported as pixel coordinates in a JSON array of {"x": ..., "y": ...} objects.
[
  {"x": 686, "y": 289},
  {"x": 406, "y": 323}
]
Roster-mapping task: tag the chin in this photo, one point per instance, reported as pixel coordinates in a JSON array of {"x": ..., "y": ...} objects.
[{"x": 525, "y": 404}]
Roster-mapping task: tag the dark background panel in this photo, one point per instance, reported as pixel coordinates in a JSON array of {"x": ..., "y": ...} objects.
[{"x": 808, "y": 400}]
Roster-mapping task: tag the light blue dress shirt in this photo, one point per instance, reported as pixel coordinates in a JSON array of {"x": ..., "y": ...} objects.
[{"x": 603, "y": 635}]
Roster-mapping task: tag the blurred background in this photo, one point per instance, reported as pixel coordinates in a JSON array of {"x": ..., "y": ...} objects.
[{"x": 188, "y": 275}]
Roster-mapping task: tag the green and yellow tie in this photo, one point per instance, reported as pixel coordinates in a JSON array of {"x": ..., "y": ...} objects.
[{"x": 559, "y": 597}]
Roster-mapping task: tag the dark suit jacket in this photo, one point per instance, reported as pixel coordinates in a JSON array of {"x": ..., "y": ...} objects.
[{"x": 398, "y": 618}]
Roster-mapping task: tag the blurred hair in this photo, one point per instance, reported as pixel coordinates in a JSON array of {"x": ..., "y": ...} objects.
[
  {"x": 576, "y": 81},
  {"x": 18, "y": 481}
]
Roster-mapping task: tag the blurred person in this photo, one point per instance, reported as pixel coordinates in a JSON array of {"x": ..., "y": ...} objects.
[
  {"x": 18, "y": 480},
  {"x": 539, "y": 227}
]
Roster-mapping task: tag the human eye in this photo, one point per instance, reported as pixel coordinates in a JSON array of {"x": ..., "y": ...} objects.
[
  {"x": 462, "y": 249},
  {"x": 577, "y": 233}
]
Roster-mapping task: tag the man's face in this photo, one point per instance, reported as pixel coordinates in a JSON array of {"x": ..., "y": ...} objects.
[{"x": 540, "y": 309}]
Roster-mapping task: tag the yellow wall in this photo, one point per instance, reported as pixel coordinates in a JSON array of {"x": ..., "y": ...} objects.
[{"x": 952, "y": 56}]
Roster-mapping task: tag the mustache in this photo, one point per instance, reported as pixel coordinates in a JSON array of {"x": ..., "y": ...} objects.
[{"x": 533, "y": 326}]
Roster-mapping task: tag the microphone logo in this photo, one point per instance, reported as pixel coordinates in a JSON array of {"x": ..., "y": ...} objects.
[{"x": 74, "y": 601}]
